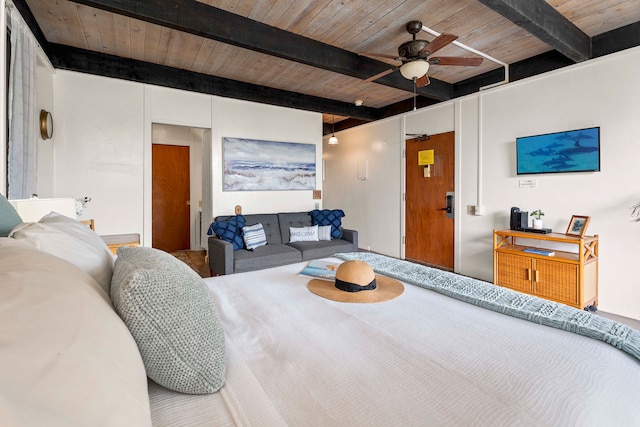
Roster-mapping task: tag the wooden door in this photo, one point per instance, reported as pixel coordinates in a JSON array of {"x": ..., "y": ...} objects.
[
  {"x": 429, "y": 232},
  {"x": 171, "y": 195}
]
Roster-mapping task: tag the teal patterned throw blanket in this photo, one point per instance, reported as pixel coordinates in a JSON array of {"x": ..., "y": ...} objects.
[{"x": 505, "y": 301}]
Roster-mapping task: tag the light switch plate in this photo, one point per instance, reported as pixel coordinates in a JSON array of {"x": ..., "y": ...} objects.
[{"x": 528, "y": 183}]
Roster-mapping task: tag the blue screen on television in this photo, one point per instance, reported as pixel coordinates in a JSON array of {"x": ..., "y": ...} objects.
[{"x": 571, "y": 151}]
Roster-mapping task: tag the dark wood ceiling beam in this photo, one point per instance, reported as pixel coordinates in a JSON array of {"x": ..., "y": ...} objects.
[
  {"x": 86, "y": 61},
  {"x": 616, "y": 40},
  {"x": 206, "y": 21},
  {"x": 548, "y": 61},
  {"x": 543, "y": 21}
]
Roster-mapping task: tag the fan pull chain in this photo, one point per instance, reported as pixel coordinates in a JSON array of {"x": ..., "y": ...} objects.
[{"x": 414, "y": 93}]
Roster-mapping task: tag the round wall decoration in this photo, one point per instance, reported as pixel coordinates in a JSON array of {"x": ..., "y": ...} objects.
[{"x": 46, "y": 124}]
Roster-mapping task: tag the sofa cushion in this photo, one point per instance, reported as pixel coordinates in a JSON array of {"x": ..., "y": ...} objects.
[
  {"x": 67, "y": 358},
  {"x": 321, "y": 249},
  {"x": 9, "y": 217},
  {"x": 329, "y": 217},
  {"x": 265, "y": 257},
  {"x": 170, "y": 314},
  {"x": 72, "y": 241},
  {"x": 230, "y": 230},
  {"x": 254, "y": 236}
]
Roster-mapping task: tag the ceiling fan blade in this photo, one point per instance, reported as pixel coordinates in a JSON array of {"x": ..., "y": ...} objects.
[
  {"x": 422, "y": 81},
  {"x": 381, "y": 55},
  {"x": 382, "y": 74},
  {"x": 450, "y": 60},
  {"x": 438, "y": 43}
]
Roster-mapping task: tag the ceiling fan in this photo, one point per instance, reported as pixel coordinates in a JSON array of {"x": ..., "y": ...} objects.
[{"x": 416, "y": 56}]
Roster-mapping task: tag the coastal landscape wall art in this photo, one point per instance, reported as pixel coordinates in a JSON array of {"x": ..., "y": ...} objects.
[{"x": 256, "y": 165}]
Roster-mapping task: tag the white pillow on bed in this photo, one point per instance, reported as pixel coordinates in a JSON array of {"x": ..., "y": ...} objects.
[
  {"x": 72, "y": 241},
  {"x": 303, "y": 234},
  {"x": 67, "y": 358}
]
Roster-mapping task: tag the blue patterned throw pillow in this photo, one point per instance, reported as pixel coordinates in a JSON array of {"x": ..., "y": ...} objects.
[
  {"x": 229, "y": 230},
  {"x": 329, "y": 217},
  {"x": 254, "y": 236}
]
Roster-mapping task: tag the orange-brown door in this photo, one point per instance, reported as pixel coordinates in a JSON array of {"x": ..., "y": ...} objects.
[
  {"x": 171, "y": 194},
  {"x": 429, "y": 230}
]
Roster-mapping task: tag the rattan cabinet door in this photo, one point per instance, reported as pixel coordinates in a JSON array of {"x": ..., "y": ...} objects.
[
  {"x": 557, "y": 281},
  {"x": 514, "y": 271}
]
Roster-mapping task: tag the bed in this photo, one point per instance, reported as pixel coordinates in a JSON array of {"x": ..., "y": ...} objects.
[{"x": 424, "y": 358}]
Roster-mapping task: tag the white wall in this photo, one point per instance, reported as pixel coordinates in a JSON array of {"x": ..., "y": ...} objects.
[
  {"x": 99, "y": 148},
  {"x": 371, "y": 205},
  {"x": 44, "y": 101},
  {"x": 242, "y": 119},
  {"x": 104, "y": 136},
  {"x": 602, "y": 92}
]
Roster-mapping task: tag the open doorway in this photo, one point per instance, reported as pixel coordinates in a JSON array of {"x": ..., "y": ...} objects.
[{"x": 176, "y": 175}]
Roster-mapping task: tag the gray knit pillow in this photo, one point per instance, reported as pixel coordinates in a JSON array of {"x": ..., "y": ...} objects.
[{"x": 170, "y": 314}]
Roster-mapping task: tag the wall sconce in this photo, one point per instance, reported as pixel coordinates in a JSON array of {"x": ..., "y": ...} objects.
[{"x": 46, "y": 125}]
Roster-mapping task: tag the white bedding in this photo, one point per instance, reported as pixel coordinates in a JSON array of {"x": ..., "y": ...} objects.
[{"x": 294, "y": 358}]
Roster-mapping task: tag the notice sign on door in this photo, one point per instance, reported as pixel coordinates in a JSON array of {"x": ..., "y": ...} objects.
[{"x": 425, "y": 157}]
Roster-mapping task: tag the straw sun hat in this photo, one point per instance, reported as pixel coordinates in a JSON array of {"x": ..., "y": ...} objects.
[{"x": 356, "y": 282}]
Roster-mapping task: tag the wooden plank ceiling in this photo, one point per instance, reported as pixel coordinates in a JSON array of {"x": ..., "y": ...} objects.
[{"x": 304, "y": 53}]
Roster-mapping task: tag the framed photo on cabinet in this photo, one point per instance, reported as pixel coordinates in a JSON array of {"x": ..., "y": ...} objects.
[{"x": 578, "y": 225}]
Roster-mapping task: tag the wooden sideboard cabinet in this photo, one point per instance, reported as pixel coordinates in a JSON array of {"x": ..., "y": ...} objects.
[{"x": 570, "y": 276}]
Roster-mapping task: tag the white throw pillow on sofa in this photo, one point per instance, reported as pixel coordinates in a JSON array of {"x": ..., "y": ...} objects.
[
  {"x": 324, "y": 232},
  {"x": 67, "y": 358},
  {"x": 303, "y": 234},
  {"x": 72, "y": 241}
]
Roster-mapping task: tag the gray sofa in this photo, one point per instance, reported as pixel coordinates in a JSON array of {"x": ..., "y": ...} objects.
[{"x": 278, "y": 251}]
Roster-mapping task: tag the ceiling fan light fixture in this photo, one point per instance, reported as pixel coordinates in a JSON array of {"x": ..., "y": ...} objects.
[{"x": 414, "y": 69}]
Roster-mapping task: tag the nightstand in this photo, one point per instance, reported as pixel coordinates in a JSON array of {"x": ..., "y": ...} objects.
[{"x": 114, "y": 241}]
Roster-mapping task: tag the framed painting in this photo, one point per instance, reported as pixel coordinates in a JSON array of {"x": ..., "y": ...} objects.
[
  {"x": 257, "y": 165},
  {"x": 578, "y": 225}
]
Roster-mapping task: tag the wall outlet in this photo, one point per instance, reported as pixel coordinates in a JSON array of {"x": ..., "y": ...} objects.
[
  {"x": 317, "y": 205},
  {"x": 475, "y": 210}
]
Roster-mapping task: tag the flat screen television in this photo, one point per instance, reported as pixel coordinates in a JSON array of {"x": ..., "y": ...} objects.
[{"x": 570, "y": 151}]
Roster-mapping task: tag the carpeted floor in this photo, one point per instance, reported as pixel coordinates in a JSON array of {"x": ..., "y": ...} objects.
[{"x": 195, "y": 260}]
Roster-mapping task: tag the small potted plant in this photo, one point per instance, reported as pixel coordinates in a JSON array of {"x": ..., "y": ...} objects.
[
  {"x": 635, "y": 212},
  {"x": 537, "y": 218}
]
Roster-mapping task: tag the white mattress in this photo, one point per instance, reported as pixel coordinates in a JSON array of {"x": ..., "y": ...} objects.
[{"x": 296, "y": 359}]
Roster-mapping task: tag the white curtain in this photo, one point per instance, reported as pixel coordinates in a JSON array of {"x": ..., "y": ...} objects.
[
  {"x": 23, "y": 126},
  {"x": 207, "y": 203}
]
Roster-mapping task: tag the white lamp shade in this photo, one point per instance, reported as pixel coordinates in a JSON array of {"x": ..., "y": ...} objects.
[
  {"x": 333, "y": 140},
  {"x": 31, "y": 210},
  {"x": 414, "y": 69}
]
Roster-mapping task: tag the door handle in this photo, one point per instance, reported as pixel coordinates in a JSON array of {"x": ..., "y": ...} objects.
[{"x": 450, "y": 208}]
